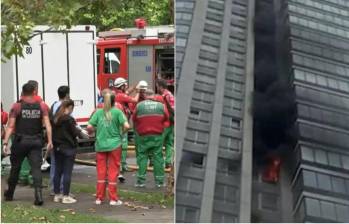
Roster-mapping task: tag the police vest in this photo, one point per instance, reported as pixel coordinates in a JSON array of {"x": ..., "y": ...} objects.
[
  {"x": 150, "y": 117},
  {"x": 29, "y": 120}
]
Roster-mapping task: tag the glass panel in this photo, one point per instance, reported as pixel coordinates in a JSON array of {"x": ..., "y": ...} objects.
[
  {"x": 307, "y": 154},
  {"x": 111, "y": 60},
  {"x": 312, "y": 207},
  {"x": 320, "y": 157},
  {"x": 334, "y": 160},
  {"x": 328, "y": 210},
  {"x": 309, "y": 178},
  {"x": 324, "y": 182},
  {"x": 338, "y": 185}
]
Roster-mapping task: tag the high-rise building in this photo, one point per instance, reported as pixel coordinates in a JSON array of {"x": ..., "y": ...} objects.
[
  {"x": 313, "y": 55},
  {"x": 218, "y": 180},
  {"x": 215, "y": 62}
]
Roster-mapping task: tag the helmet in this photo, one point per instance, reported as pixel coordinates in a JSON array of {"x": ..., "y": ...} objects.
[
  {"x": 142, "y": 85},
  {"x": 119, "y": 82}
]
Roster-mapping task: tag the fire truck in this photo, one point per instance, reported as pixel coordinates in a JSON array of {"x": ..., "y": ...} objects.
[
  {"x": 139, "y": 53},
  {"x": 55, "y": 57},
  {"x": 75, "y": 57}
]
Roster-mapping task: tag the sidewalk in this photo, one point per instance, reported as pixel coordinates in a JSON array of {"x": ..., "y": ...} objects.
[{"x": 130, "y": 211}]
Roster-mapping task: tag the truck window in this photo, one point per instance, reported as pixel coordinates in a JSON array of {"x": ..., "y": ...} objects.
[{"x": 111, "y": 60}]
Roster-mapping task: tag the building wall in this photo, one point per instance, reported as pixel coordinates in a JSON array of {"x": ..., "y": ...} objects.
[
  {"x": 315, "y": 37},
  {"x": 215, "y": 51}
]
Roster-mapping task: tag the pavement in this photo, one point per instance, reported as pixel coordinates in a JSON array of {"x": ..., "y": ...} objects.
[{"x": 130, "y": 211}]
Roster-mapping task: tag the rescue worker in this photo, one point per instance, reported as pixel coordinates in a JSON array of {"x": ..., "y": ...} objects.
[
  {"x": 109, "y": 124},
  {"x": 127, "y": 102},
  {"x": 63, "y": 94},
  {"x": 28, "y": 117},
  {"x": 118, "y": 106},
  {"x": 149, "y": 120},
  {"x": 142, "y": 86},
  {"x": 24, "y": 175},
  {"x": 161, "y": 85}
]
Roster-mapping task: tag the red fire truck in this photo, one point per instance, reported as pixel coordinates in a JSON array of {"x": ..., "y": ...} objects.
[{"x": 140, "y": 53}]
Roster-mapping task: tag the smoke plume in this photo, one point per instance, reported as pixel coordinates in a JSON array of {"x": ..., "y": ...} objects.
[{"x": 274, "y": 107}]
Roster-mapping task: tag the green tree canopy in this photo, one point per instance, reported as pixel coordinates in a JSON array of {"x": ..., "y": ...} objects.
[{"x": 19, "y": 17}]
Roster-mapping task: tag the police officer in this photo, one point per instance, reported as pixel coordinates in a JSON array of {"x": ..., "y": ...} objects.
[
  {"x": 150, "y": 118},
  {"x": 27, "y": 117},
  {"x": 24, "y": 175}
]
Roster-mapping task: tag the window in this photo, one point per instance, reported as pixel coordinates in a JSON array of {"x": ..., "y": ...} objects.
[
  {"x": 322, "y": 81},
  {"x": 309, "y": 178},
  {"x": 328, "y": 210},
  {"x": 111, "y": 60},
  {"x": 338, "y": 185},
  {"x": 225, "y": 193},
  {"x": 299, "y": 75},
  {"x": 312, "y": 207},
  {"x": 193, "y": 158},
  {"x": 345, "y": 161},
  {"x": 227, "y": 167},
  {"x": 307, "y": 154},
  {"x": 183, "y": 16},
  {"x": 324, "y": 182},
  {"x": 182, "y": 28},
  {"x": 334, "y": 160},
  {"x": 320, "y": 157},
  {"x": 180, "y": 42}
]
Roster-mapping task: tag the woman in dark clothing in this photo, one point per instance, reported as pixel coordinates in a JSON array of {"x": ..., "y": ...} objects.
[{"x": 65, "y": 133}]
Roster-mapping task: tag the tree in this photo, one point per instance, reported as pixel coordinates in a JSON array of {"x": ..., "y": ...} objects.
[
  {"x": 104, "y": 17},
  {"x": 20, "y": 16}
]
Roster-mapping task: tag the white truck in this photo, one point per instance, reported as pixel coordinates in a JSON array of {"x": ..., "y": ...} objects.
[{"x": 55, "y": 58}]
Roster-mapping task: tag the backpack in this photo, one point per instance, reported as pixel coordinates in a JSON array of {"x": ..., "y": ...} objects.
[{"x": 50, "y": 114}]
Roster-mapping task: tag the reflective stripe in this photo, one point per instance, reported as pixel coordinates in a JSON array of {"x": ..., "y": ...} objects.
[
  {"x": 100, "y": 181},
  {"x": 112, "y": 183}
]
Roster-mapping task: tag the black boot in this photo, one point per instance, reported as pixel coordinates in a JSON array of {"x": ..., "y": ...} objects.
[
  {"x": 38, "y": 196},
  {"x": 8, "y": 194}
]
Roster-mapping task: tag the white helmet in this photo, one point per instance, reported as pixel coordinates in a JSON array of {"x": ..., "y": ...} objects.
[
  {"x": 142, "y": 85},
  {"x": 119, "y": 82}
]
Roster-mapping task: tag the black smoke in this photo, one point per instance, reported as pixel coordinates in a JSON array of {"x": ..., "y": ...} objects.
[{"x": 274, "y": 102}]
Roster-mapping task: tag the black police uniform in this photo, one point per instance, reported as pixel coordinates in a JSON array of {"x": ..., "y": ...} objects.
[{"x": 28, "y": 142}]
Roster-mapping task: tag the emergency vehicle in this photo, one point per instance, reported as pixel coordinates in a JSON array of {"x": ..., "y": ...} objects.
[
  {"x": 87, "y": 64},
  {"x": 55, "y": 58},
  {"x": 139, "y": 53}
]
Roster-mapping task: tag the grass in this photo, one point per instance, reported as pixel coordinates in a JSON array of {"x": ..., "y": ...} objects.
[
  {"x": 144, "y": 197},
  {"x": 15, "y": 213}
]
